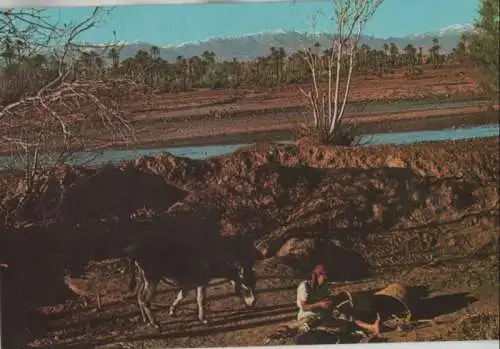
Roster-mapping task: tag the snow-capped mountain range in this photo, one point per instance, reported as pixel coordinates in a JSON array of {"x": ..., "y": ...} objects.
[
  {"x": 253, "y": 45},
  {"x": 448, "y": 30}
]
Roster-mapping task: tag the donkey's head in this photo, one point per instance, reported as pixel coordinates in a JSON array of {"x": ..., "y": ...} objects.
[{"x": 244, "y": 282}]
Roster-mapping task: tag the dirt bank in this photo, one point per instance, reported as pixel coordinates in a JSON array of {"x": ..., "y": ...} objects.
[
  {"x": 275, "y": 126},
  {"x": 384, "y": 211}
]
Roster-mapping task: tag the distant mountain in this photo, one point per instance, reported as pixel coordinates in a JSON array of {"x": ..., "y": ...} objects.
[{"x": 253, "y": 45}]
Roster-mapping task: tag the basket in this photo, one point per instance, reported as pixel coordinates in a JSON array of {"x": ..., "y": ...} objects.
[{"x": 399, "y": 293}]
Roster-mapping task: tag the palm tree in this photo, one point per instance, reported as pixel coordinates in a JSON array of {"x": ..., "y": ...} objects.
[
  {"x": 209, "y": 68},
  {"x": 281, "y": 62},
  {"x": 89, "y": 65},
  {"x": 394, "y": 52},
  {"x": 386, "y": 51},
  {"x": 363, "y": 58},
  {"x": 410, "y": 52},
  {"x": 115, "y": 57},
  {"x": 155, "y": 52},
  {"x": 462, "y": 51},
  {"x": 434, "y": 52},
  {"x": 38, "y": 61},
  {"x": 236, "y": 69},
  {"x": 8, "y": 52},
  {"x": 195, "y": 71}
]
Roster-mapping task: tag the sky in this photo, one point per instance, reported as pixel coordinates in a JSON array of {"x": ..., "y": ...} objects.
[{"x": 174, "y": 24}]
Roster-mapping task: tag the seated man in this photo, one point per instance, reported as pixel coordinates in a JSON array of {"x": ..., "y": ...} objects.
[{"x": 314, "y": 304}]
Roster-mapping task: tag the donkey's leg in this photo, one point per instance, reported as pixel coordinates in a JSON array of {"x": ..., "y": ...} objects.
[
  {"x": 180, "y": 296},
  {"x": 140, "y": 298},
  {"x": 200, "y": 298},
  {"x": 150, "y": 291},
  {"x": 142, "y": 290}
]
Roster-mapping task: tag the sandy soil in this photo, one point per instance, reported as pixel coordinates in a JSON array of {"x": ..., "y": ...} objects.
[{"x": 425, "y": 215}]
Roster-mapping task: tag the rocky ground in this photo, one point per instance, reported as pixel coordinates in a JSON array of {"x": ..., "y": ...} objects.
[{"x": 425, "y": 215}]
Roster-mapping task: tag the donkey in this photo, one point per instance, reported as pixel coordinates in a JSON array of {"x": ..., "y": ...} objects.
[{"x": 188, "y": 269}]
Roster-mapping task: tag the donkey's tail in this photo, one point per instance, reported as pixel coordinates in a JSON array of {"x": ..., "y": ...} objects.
[{"x": 131, "y": 267}]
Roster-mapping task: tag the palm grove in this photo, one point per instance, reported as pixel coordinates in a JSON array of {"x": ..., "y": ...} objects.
[{"x": 206, "y": 71}]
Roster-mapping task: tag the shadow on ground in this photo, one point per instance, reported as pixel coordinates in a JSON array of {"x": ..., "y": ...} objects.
[
  {"x": 432, "y": 307},
  {"x": 422, "y": 306},
  {"x": 219, "y": 323}
]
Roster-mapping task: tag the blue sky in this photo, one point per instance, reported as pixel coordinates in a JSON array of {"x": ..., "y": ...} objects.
[{"x": 172, "y": 24}]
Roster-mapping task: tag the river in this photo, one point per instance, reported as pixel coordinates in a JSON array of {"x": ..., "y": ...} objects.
[{"x": 201, "y": 152}]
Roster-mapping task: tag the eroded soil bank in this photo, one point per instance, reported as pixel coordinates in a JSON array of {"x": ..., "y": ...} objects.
[{"x": 422, "y": 214}]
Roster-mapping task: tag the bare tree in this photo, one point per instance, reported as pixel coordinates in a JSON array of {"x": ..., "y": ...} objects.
[
  {"x": 49, "y": 110},
  {"x": 328, "y": 106}
]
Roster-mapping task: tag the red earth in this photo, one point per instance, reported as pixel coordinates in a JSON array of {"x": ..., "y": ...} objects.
[{"x": 424, "y": 215}]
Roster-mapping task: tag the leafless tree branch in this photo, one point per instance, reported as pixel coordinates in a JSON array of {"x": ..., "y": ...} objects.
[
  {"x": 64, "y": 112},
  {"x": 350, "y": 17}
]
